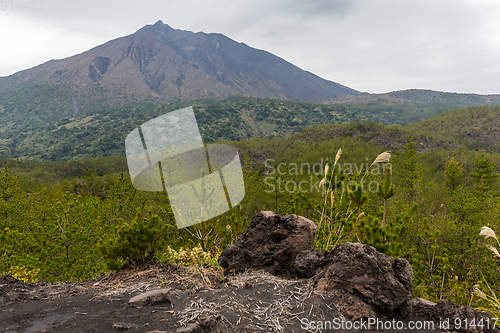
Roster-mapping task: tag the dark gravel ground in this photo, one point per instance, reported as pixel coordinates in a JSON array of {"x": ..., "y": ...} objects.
[{"x": 249, "y": 302}]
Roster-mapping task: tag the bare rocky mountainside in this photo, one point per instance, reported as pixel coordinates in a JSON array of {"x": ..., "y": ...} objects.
[{"x": 165, "y": 63}]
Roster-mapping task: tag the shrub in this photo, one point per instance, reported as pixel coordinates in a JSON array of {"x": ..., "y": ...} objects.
[
  {"x": 24, "y": 274},
  {"x": 134, "y": 241},
  {"x": 188, "y": 257}
]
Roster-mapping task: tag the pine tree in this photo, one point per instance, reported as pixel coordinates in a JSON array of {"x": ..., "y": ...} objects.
[
  {"x": 453, "y": 173},
  {"x": 483, "y": 176}
]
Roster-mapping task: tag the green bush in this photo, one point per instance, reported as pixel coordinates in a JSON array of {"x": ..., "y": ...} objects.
[
  {"x": 188, "y": 257},
  {"x": 135, "y": 241}
]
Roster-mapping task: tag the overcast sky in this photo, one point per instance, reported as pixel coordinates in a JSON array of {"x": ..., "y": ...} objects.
[{"x": 369, "y": 45}]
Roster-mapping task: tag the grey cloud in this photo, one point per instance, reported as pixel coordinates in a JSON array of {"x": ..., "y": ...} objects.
[
  {"x": 318, "y": 8},
  {"x": 369, "y": 45}
]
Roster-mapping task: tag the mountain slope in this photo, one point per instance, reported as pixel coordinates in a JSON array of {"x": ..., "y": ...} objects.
[
  {"x": 420, "y": 96},
  {"x": 463, "y": 134},
  {"x": 164, "y": 63},
  {"x": 472, "y": 129},
  {"x": 102, "y": 133},
  {"x": 475, "y": 128}
]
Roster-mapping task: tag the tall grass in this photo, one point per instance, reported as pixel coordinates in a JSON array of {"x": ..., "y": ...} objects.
[
  {"x": 493, "y": 304},
  {"x": 335, "y": 216}
]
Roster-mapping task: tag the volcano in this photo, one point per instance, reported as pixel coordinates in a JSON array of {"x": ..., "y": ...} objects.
[{"x": 163, "y": 63}]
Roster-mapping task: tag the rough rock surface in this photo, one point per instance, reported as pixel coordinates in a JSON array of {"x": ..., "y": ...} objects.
[
  {"x": 309, "y": 263},
  {"x": 191, "y": 328},
  {"x": 271, "y": 242},
  {"x": 456, "y": 316},
  {"x": 151, "y": 297},
  {"x": 380, "y": 280},
  {"x": 353, "y": 307}
]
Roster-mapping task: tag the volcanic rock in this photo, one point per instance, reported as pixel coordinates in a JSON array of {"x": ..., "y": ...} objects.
[
  {"x": 309, "y": 263},
  {"x": 453, "y": 316},
  {"x": 380, "y": 280},
  {"x": 151, "y": 297},
  {"x": 271, "y": 242}
]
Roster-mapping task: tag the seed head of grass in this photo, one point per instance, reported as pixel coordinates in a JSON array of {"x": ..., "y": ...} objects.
[
  {"x": 487, "y": 232},
  {"x": 494, "y": 250},
  {"x": 337, "y": 157},
  {"x": 478, "y": 292},
  {"x": 382, "y": 158}
]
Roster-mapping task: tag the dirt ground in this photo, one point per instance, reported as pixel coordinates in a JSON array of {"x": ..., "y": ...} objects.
[{"x": 249, "y": 302}]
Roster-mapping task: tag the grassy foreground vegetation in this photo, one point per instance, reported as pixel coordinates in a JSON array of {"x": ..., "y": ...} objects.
[{"x": 421, "y": 201}]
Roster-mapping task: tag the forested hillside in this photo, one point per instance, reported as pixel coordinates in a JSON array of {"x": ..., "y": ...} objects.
[{"x": 35, "y": 129}]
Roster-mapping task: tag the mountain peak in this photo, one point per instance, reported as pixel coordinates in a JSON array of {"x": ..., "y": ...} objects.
[{"x": 158, "y": 25}]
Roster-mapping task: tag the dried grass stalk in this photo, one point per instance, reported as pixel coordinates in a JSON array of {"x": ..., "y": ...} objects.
[
  {"x": 382, "y": 158},
  {"x": 337, "y": 157},
  {"x": 487, "y": 232}
]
